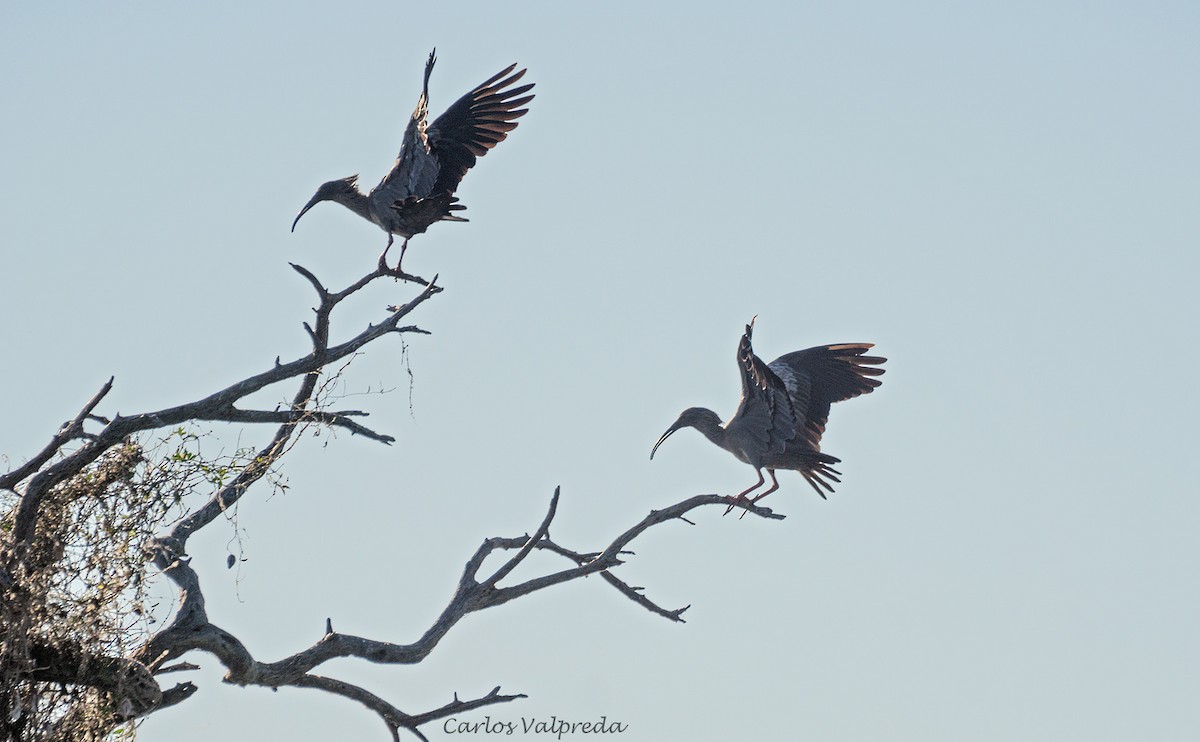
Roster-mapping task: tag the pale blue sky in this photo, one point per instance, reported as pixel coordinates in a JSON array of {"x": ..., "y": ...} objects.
[{"x": 1002, "y": 196}]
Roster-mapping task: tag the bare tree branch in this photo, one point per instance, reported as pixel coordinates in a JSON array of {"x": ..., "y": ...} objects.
[
  {"x": 180, "y": 693},
  {"x": 470, "y": 596},
  {"x": 218, "y": 406},
  {"x": 394, "y": 718},
  {"x": 337, "y": 419},
  {"x": 71, "y": 430},
  {"x": 457, "y": 707},
  {"x": 192, "y": 630},
  {"x": 530, "y": 543}
]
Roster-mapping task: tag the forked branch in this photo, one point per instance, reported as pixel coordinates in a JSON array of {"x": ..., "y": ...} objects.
[
  {"x": 219, "y": 406},
  {"x": 473, "y": 593}
]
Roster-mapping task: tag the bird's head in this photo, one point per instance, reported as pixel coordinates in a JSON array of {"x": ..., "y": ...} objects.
[
  {"x": 693, "y": 417},
  {"x": 334, "y": 190}
]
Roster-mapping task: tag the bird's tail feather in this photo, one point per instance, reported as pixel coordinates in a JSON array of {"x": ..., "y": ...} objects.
[
  {"x": 820, "y": 475},
  {"x": 454, "y": 205}
]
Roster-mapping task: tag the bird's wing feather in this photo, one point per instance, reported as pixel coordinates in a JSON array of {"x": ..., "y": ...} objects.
[
  {"x": 416, "y": 169},
  {"x": 817, "y": 377},
  {"x": 475, "y": 123},
  {"x": 765, "y": 420}
]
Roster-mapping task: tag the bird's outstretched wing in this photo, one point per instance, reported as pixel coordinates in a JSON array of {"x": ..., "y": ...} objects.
[
  {"x": 765, "y": 420},
  {"x": 817, "y": 377},
  {"x": 475, "y": 123},
  {"x": 416, "y": 170}
]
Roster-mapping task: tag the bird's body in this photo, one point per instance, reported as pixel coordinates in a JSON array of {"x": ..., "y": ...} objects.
[
  {"x": 784, "y": 408},
  {"x": 419, "y": 189}
]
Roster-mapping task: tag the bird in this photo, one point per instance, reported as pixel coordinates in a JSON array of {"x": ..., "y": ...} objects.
[
  {"x": 783, "y": 411},
  {"x": 419, "y": 189}
]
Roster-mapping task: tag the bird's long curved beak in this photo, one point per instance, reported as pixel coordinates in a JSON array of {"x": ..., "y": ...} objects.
[
  {"x": 304, "y": 211},
  {"x": 665, "y": 436}
]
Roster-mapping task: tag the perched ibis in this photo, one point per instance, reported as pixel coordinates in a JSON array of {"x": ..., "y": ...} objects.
[
  {"x": 419, "y": 189},
  {"x": 784, "y": 408}
]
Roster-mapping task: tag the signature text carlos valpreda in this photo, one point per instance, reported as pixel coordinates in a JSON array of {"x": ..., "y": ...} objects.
[{"x": 533, "y": 725}]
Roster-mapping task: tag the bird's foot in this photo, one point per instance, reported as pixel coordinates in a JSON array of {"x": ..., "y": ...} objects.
[
  {"x": 746, "y": 503},
  {"x": 383, "y": 266},
  {"x": 753, "y": 502},
  {"x": 739, "y": 500}
]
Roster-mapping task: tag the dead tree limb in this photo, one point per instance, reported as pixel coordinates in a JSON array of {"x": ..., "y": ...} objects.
[
  {"x": 191, "y": 629},
  {"x": 219, "y": 406}
]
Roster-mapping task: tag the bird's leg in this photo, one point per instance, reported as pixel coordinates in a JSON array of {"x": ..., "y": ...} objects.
[
  {"x": 383, "y": 257},
  {"x": 774, "y": 486},
  {"x": 403, "y": 248},
  {"x": 740, "y": 497}
]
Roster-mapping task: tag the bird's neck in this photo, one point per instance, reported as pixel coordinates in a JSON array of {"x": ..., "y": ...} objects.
[
  {"x": 356, "y": 201},
  {"x": 712, "y": 430}
]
